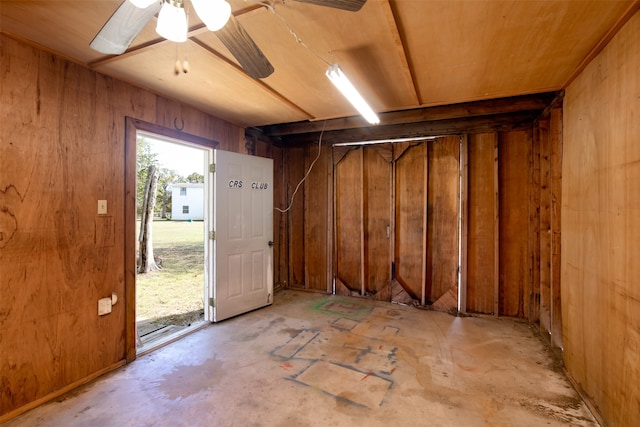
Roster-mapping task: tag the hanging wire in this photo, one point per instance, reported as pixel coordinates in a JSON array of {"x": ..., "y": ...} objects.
[
  {"x": 293, "y": 196},
  {"x": 297, "y": 38}
]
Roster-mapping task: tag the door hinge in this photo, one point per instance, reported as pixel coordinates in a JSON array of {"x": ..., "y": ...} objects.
[
  {"x": 212, "y": 168},
  {"x": 212, "y": 235},
  {"x": 212, "y": 302}
]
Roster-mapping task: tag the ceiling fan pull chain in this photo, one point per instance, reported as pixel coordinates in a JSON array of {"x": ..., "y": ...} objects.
[
  {"x": 178, "y": 66},
  {"x": 185, "y": 64}
]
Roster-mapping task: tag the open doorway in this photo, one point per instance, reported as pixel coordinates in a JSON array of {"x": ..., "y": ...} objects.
[{"x": 170, "y": 288}]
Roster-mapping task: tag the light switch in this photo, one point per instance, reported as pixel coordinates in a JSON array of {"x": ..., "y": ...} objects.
[
  {"x": 102, "y": 207},
  {"x": 104, "y": 306}
]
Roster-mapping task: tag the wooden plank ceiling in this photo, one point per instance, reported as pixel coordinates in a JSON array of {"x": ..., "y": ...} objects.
[{"x": 401, "y": 54}]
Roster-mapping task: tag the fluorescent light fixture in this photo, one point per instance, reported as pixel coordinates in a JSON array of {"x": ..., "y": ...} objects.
[
  {"x": 214, "y": 13},
  {"x": 343, "y": 84},
  {"x": 172, "y": 21},
  {"x": 142, "y": 4},
  {"x": 386, "y": 141}
]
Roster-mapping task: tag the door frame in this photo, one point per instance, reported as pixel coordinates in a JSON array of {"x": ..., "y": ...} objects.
[{"x": 132, "y": 126}]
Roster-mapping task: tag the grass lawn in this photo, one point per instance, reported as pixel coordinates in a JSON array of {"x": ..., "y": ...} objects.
[{"x": 174, "y": 295}]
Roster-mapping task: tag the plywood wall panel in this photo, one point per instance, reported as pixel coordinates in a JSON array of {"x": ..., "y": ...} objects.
[
  {"x": 515, "y": 278},
  {"x": 295, "y": 210},
  {"x": 482, "y": 227},
  {"x": 62, "y": 150},
  {"x": 317, "y": 207},
  {"x": 442, "y": 217},
  {"x": 601, "y": 229},
  {"x": 174, "y": 115},
  {"x": 65, "y": 270},
  {"x": 556, "y": 230},
  {"x": 349, "y": 210},
  {"x": 410, "y": 212},
  {"x": 545, "y": 228},
  {"x": 281, "y": 237},
  {"x": 534, "y": 226},
  {"x": 363, "y": 220},
  {"x": 377, "y": 220}
]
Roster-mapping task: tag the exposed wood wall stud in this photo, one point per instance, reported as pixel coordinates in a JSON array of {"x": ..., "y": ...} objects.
[{"x": 464, "y": 224}]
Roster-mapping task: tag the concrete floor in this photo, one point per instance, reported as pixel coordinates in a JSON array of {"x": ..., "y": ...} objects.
[{"x": 312, "y": 360}]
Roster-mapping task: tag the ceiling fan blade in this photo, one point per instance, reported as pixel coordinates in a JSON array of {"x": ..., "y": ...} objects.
[
  {"x": 118, "y": 32},
  {"x": 244, "y": 49},
  {"x": 350, "y": 5}
]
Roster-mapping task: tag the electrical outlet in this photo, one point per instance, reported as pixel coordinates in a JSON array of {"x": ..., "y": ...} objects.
[{"x": 102, "y": 207}]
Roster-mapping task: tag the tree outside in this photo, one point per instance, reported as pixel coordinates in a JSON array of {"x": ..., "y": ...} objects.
[
  {"x": 166, "y": 176},
  {"x": 171, "y": 295}
]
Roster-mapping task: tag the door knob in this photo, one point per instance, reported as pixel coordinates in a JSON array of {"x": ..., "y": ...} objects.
[{"x": 270, "y": 243}]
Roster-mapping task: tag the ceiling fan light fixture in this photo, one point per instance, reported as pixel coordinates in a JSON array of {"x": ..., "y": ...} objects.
[
  {"x": 172, "y": 21},
  {"x": 142, "y": 4},
  {"x": 340, "y": 81},
  {"x": 214, "y": 13}
]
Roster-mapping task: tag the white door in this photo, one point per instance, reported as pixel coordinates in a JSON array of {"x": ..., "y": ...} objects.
[{"x": 242, "y": 244}]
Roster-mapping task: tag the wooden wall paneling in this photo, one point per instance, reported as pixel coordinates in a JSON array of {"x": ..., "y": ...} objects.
[
  {"x": 348, "y": 244},
  {"x": 443, "y": 215},
  {"x": 27, "y": 174},
  {"x": 280, "y": 256},
  {"x": 482, "y": 211},
  {"x": 89, "y": 243},
  {"x": 64, "y": 127},
  {"x": 398, "y": 294},
  {"x": 425, "y": 228},
  {"x": 496, "y": 227},
  {"x": 315, "y": 216},
  {"x": 280, "y": 236},
  {"x": 545, "y": 229},
  {"x": 167, "y": 111},
  {"x": 556, "y": 235},
  {"x": 130, "y": 244},
  {"x": 172, "y": 114},
  {"x": 329, "y": 227},
  {"x": 144, "y": 107},
  {"x": 295, "y": 170},
  {"x": 464, "y": 221},
  {"x": 229, "y": 137},
  {"x": 534, "y": 226},
  {"x": 58, "y": 256},
  {"x": 337, "y": 154},
  {"x": 377, "y": 221},
  {"x": 515, "y": 278},
  {"x": 363, "y": 224},
  {"x": 261, "y": 149},
  {"x": 601, "y": 229},
  {"x": 410, "y": 212}
]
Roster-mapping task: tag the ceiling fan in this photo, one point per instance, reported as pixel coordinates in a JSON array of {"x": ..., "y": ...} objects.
[{"x": 132, "y": 16}]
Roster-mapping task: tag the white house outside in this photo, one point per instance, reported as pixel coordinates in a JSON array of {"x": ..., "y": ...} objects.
[{"x": 187, "y": 201}]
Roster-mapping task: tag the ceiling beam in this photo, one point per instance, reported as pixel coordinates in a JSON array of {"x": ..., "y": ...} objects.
[
  {"x": 454, "y": 126},
  {"x": 536, "y": 102},
  {"x": 258, "y": 82},
  {"x": 406, "y": 69}
]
